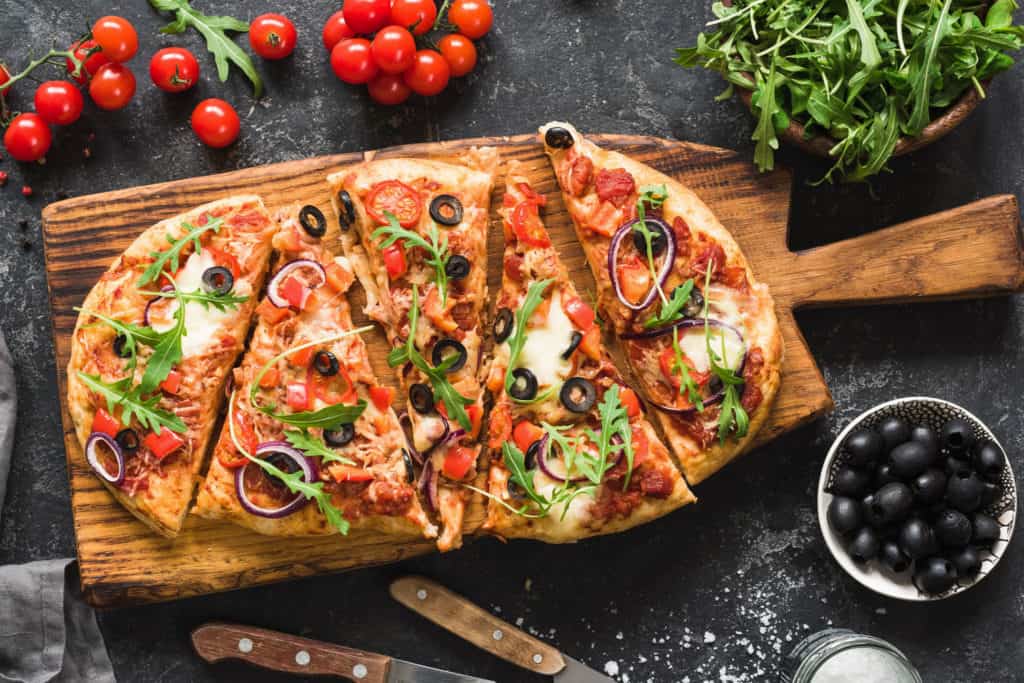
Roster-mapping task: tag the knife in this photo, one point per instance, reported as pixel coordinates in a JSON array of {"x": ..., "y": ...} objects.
[
  {"x": 458, "y": 615},
  {"x": 291, "y": 654}
]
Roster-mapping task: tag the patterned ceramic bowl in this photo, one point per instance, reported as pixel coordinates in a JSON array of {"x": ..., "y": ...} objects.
[{"x": 933, "y": 412}]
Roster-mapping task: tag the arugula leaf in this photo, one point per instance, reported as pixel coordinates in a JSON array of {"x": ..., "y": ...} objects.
[
  {"x": 534, "y": 295},
  {"x": 222, "y": 302},
  {"x": 133, "y": 335},
  {"x": 672, "y": 310},
  {"x": 166, "y": 354},
  {"x": 732, "y": 417},
  {"x": 764, "y": 133},
  {"x": 171, "y": 259},
  {"x": 213, "y": 29},
  {"x": 921, "y": 113},
  {"x": 686, "y": 382},
  {"x": 614, "y": 422},
  {"x": 330, "y": 417},
  {"x": 436, "y": 248},
  {"x": 563, "y": 495},
  {"x": 313, "y": 446},
  {"x": 868, "y": 47},
  {"x": 120, "y": 393},
  {"x": 653, "y": 196}
]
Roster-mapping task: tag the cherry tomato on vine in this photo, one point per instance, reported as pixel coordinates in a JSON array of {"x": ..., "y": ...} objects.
[
  {"x": 429, "y": 73},
  {"x": 473, "y": 18},
  {"x": 117, "y": 37},
  {"x": 5, "y": 75},
  {"x": 393, "y": 49},
  {"x": 389, "y": 89},
  {"x": 59, "y": 102},
  {"x": 272, "y": 36},
  {"x": 352, "y": 61},
  {"x": 216, "y": 123},
  {"x": 366, "y": 16},
  {"x": 336, "y": 30},
  {"x": 27, "y": 137},
  {"x": 92, "y": 63},
  {"x": 174, "y": 69},
  {"x": 416, "y": 15},
  {"x": 112, "y": 87},
  {"x": 460, "y": 53}
]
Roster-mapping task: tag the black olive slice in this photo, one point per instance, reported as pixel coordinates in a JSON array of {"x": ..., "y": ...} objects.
[
  {"x": 410, "y": 472},
  {"x": 347, "y": 214},
  {"x": 120, "y": 346},
  {"x": 128, "y": 440},
  {"x": 524, "y": 385},
  {"x": 503, "y": 324},
  {"x": 326, "y": 363},
  {"x": 658, "y": 242},
  {"x": 695, "y": 306},
  {"x": 340, "y": 436},
  {"x": 421, "y": 397},
  {"x": 558, "y": 138},
  {"x": 447, "y": 348},
  {"x": 577, "y": 337},
  {"x": 578, "y": 394},
  {"x": 458, "y": 267},
  {"x": 532, "y": 453},
  {"x": 446, "y": 210},
  {"x": 312, "y": 221},
  {"x": 218, "y": 280}
]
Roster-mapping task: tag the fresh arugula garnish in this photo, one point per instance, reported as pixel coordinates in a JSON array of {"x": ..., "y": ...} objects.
[
  {"x": 686, "y": 382},
  {"x": 454, "y": 402},
  {"x": 732, "y": 418},
  {"x": 132, "y": 334},
  {"x": 314, "y": 446},
  {"x": 652, "y": 196},
  {"x": 166, "y": 354},
  {"x": 221, "y": 302},
  {"x": 614, "y": 422},
  {"x": 213, "y": 28},
  {"x": 537, "y": 505},
  {"x": 145, "y": 410},
  {"x": 436, "y": 248},
  {"x": 516, "y": 342},
  {"x": 171, "y": 259},
  {"x": 672, "y": 310}
]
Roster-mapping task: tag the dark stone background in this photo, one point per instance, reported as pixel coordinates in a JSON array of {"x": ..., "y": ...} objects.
[{"x": 745, "y": 568}]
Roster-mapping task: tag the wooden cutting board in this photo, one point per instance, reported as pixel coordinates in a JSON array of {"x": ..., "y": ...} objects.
[{"x": 970, "y": 251}]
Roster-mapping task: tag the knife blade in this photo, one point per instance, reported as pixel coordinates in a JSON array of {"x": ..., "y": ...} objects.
[
  {"x": 461, "y": 617},
  {"x": 215, "y": 642}
]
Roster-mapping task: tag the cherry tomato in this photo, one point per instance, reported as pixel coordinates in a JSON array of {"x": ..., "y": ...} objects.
[
  {"x": 336, "y": 30},
  {"x": 352, "y": 62},
  {"x": 174, "y": 69},
  {"x": 528, "y": 227},
  {"x": 272, "y": 36},
  {"x": 215, "y": 122},
  {"x": 388, "y": 89},
  {"x": 112, "y": 87},
  {"x": 92, "y": 63},
  {"x": 117, "y": 37},
  {"x": 396, "y": 198},
  {"x": 367, "y": 16},
  {"x": 473, "y": 18},
  {"x": 459, "y": 52},
  {"x": 393, "y": 48},
  {"x": 59, "y": 102},
  {"x": 429, "y": 74},
  {"x": 27, "y": 137},
  {"x": 5, "y": 75},
  {"x": 416, "y": 15}
]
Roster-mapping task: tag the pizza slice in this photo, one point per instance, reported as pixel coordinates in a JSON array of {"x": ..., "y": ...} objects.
[
  {"x": 698, "y": 330},
  {"x": 153, "y": 344},
  {"x": 572, "y": 453},
  {"x": 311, "y": 444},
  {"x": 416, "y": 234}
]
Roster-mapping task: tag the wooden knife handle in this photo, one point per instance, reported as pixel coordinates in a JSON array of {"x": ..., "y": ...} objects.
[
  {"x": 458, "y": 615},
  {"x": 291, "y": 654}
]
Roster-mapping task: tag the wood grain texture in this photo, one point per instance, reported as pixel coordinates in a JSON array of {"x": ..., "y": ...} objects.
[{"x": 969, "y": 251}]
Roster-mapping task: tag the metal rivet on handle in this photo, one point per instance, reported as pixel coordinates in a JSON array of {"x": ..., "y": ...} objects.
[
  {"x": 359, "y": 671},
  {"x": 538, "y": 658},
  {"x": 497, "y": 635},
  {"x": 421, "y": 594},
  {"x": 245, "y": 645},
  {"x": 302, "y": 658}
]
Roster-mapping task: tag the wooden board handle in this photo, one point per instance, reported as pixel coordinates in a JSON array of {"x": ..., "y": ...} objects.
[
  {"x": 291, "y": 654},
  {"x": 458, "y": 615},
  {"x": 971, "y": 250}
]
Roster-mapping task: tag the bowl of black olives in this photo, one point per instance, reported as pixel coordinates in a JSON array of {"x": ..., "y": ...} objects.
[{"x": 917, "y": 499}]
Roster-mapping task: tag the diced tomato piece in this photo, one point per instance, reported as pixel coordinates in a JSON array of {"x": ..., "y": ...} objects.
[
  {"x": 528, "y": 227},
  {"x": 172, "y": 383},
  {"x": 457, "y": 462},
  {"x": 394, "y": 261},
  {"x": 476, "y": 416},
  {"x": 500, "y": 425},
  {"x": 270, "y": 378},
  {"x": 225, "y": 260},
  {"x": 338, "y": 278},
  {"x": 163, "y": 444},
  {"x": 271, "y": 313},
  {"x": 302, "y": 357},
  {"x": 294, "y": 292},
  {"x": 331, "y": 390},
  {"x": 106, "y": 423},
  {"x": 396, "y": 198},
  {"x": 605, "y": 219},
  {"x": 525, "y": 433},
  {"x": 438, "y": 314},
  {"x": 298, "y": 396},
  {"x": 579, "y": 312},
  {"x": 667, "y": 361},
  {"x": 630, "y": 401},
  {"x": 578, "y": 178},
  {"x": 382, "y": 397},
  {"x": 634, "y": 280},
  {"x": 614, "y": 185},
  {"x": 591, "y": 344},
  {"x": 530, "y": 195},
  {"x": 343, "y": 473}
]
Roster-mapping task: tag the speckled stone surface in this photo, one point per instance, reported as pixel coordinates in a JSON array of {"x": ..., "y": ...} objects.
[{"x": 714, "y": 592}]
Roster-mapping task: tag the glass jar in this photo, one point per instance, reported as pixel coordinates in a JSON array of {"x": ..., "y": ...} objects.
[{"x": 838, "y": 655}]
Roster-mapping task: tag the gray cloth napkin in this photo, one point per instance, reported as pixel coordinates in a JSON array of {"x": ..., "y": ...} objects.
[{"x": 47, "y": 633}]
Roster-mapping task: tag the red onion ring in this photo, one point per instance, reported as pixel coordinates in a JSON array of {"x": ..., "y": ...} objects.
[
  {"x": 145, "y": 313},
  {"x": 403, "y": 418},
  {"x": 428, "y": 486},
  {"x": 452, "y": 437},
  {"x": 546, "y": 469},
  {"x": 441, "y": 439},
  {"x": 285, "y": 271},
  {"x": 309, "y": 475},
  {"x": 93, "y": 457},
  {"x": 668, "y": 259}
]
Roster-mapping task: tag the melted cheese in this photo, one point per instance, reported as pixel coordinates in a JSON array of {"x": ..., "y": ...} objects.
[
  {"x": 693, "y": 343},
  {"x": 542, "y": 352},
  {"x": 576, "y": 516}
]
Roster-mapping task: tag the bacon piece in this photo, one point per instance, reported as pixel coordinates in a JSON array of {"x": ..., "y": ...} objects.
[
  {"x": 654, "y": 482},
  {"x": 714, "y": 254},
  {"x": 615, "y": 186},
  {"x": 580, "y": 171}
]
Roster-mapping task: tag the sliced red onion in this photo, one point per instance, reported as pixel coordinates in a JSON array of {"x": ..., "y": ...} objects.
[
  {"x": 681, "y": 324},
  {"x": 441, "y": 439},
  {"x": 403, "y": 419},
  {"x": 452, "y": 437},
  {"x": 157, "y": 299},
  {"x": 309, "y": 475},
  {"x": 668, "y": 258},
  {"x": 92, "y": 444},
  {"x": 286, "y": 270},
  {"x": 545, "y": 467},
  {"x": 428, "y": 486}
]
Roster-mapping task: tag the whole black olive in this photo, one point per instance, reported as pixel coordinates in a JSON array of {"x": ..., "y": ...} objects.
[
  {"x": 892, "y": 502},
  {"x": 695, "y": 306},
  {"x": 956, "y": 465},
  {"x": 929, "y": 486},
  {"x": 910, "y": 459},
  {"x": 449, "y": 348},
  {"x": 864, "y": 545},
  {"x": 967, "y": 562},
  {"x": 574, "y": 343},
  {"x": 957, "y": 435},
  {"x": 326, "y": 363},
  {"x": 917, "y": 539},
  {"x": 884, "y": 474},
  {"x": 557, "y": 137},
  {"x": 524, "y": 385},
  {"x": 952, "y": 529},
  {"x": 128, "y": 440},
  {"x": 121, "y": 346},
  {"x": 926, "y": 436},
  {"x": 894, "y": 558},
  {"x": 658, "y": 240},
  {"x": 446, "y": 210},
  {"x": 410, "y": 471},
  {"x": 503, "y": 324},
  {"x": 936, "y": 575},
  {"x": 894, "y": 431},
  {"x": 990, "y": 494},
  {"x": 988, "y": 460},
  {"x": 421, "y": 398},
  {"x": 532, "y": 453},
  {"x": 851, "y": 482},
  {"x": 578, "y": 394},
  {"x": 346, "y": 211},
  {"x": 864, "y": 446},
  {"x": 844, "y": 515},
  {"x": 218, "y": 280},
  {"x": 871, "y": 512},
  {"x": 312, "y": 221},
  {"x": 457, "y": 267},
  {"x": 340, "y": 436},
  {"x": 985, "y": 531},
  {"x": 964, "y": 490}
]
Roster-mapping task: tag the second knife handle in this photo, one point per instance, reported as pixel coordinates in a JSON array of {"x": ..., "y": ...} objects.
[{"x": 458, "y": 615}]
